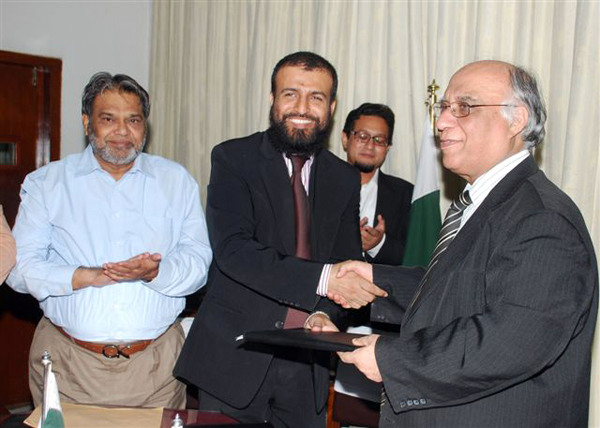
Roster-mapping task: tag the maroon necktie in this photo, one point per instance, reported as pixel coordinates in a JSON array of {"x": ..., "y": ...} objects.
[{"x": 296, "y": 318}]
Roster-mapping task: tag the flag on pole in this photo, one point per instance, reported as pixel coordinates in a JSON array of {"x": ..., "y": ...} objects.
[
  {"x": 52, "y": 416},
  {"x": 425, "y": 219}
]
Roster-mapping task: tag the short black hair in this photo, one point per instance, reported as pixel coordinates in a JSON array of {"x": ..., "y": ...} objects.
[
  {"x": 370, "y": 109},
  {"x": 309, "y": 61},
  {"x": 104, "y": 81}
]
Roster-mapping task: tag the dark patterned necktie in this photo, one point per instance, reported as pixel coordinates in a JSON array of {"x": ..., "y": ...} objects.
[
  {"x": 301, "y": 211},
  {"x": 296, "y": 318},
  {"x": 450, "y": 227}
]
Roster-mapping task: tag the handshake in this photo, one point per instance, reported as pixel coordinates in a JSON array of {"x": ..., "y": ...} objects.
[{"x": 351, "y": 284}]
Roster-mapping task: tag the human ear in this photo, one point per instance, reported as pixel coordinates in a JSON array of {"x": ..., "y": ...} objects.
[
  {"x": 86, "y": 121},
  {"x": 345, "y": 141},
  {"x": 519, "y": 120}
]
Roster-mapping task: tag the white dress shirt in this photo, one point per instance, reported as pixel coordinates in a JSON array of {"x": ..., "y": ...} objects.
[
  {"x": 482, "y": 187},
  {"x": 368, "y": 205},
  {"x": 305, "y": 174}
]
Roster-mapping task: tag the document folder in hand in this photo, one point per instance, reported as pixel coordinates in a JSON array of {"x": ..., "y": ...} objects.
[{"x": 302, "y": 338}]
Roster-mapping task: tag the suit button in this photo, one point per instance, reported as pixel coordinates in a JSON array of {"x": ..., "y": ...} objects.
[{"x": 279, "y": 324}]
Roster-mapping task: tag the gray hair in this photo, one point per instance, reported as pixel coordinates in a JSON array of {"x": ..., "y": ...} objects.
[
  {"x": 104, "y": 81},
  {"x": 526, "y": 93}
]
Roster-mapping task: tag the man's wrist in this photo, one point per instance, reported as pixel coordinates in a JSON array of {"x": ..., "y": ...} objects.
[
  {"x": 375, "y": 250},
  {"x": 307, "y": 322},
  {"x": 323, "y": 285},
  {"x": 84, "y": 277}
]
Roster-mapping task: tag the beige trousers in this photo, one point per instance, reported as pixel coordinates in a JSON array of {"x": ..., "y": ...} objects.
[{"x": 85, "y": 377}]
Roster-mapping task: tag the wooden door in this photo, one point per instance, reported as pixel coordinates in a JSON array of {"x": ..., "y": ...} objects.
[{"x": 29, "y": 138}]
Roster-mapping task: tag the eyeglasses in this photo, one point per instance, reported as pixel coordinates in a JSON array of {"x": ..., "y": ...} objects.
[
  {"x": 461, "y": 109},
  {"x": 364, "y": 138}
]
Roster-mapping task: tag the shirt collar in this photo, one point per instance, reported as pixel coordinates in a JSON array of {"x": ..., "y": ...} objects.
[
  {"x": 88, "y": 164},
  {"x": 373, "y": 182},
  {"x": 481, "y": 187}
]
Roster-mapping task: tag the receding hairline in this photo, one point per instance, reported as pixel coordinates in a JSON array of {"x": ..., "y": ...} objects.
[{"x": 303, "y": 67}]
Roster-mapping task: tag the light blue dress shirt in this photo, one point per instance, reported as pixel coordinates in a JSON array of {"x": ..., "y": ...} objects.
[{"x": 73, "y": 213}]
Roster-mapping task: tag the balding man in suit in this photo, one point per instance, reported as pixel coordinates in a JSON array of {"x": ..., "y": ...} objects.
[{"x": 497, "y": 330}]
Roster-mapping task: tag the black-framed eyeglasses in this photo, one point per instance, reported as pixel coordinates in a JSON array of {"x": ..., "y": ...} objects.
[
  {"x": 364, "y": 138},
  {"x": 461, "y": 109}
]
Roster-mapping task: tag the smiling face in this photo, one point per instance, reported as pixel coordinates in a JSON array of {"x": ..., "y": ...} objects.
[
  {"x": 301, "y": 107},
  {"x": 116, "y": 128},
  {"x": 474, "y": 144},
  {"x": 367, "y": 157}
]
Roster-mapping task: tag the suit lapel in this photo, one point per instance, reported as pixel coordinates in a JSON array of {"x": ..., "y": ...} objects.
[
  {"x": 278, "y": 185},
  {"x": 323, "y": 203},
  {"x": 467, "y": 236},
  {"x": 385, "y": 195}
]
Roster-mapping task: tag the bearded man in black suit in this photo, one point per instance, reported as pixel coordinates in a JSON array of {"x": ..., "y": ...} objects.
[
  {"x": 497, "y": 330},
  {"x": 270, "y": 269}
]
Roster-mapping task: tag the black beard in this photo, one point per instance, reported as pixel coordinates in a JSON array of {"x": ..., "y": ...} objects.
[
  {"x": 298, "y": 143},
  {"x": 364, "y": 168}
]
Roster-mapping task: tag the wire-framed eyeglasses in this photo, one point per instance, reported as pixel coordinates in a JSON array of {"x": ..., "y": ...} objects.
[
  {"x": 460, "y": 108},
  {"x": 364, "y": 138}
]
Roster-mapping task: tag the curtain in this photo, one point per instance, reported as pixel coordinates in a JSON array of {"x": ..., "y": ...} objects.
[{"x": 211, "y": 63}]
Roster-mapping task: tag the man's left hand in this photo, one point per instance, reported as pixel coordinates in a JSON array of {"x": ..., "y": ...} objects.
[
  {"x": 364, "y": 357},
  {"x": 372, "y": 236},
  {"x": 141, "y": 267},
  {"x": 319, "y": 322}
]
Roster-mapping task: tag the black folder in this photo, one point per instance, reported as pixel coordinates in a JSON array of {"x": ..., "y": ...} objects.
[{"x": 303, "y": 338}]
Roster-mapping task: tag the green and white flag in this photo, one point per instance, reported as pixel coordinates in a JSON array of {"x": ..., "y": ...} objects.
[
  {"x": 54, "y": 416},
  {"x": 425, "y": 219}
]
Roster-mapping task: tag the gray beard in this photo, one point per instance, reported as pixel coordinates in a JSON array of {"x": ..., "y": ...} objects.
[{"x": 106, "y": 155}]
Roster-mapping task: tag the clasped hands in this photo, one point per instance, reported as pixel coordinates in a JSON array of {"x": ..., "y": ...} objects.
[
  {"x": 141, "y": 267},
  {"x": 351, "y": 285}
]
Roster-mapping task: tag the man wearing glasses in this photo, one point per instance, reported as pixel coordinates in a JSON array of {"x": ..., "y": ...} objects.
[
  {"x": 384, "y": 200},
  {"x": 497, "y": 330},
  {"x": 384, "y": 208}
]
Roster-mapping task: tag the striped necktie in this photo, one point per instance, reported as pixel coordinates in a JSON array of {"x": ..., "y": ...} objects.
[
  {"x": 450, "y": 227},
  {"x": 447, "y": 233}
]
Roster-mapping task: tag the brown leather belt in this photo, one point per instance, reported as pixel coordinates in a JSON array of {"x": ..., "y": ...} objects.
[{"x": 109, "y": 350}]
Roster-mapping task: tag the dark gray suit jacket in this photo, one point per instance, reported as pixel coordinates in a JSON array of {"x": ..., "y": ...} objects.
[
  {"x": 393, "y": 203},
  {"x": 254, "y": 277},
  {"x": 500, "y": 334}
]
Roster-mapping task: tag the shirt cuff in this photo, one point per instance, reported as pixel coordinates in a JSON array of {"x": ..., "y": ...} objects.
[
  {"x": 324, "y": 281},
  {"x": 375, "y": 250}
]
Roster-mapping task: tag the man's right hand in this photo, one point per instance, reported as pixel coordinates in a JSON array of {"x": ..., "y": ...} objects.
[
  {"x": 90, "y": 277},
  {"x": 348, "y": 287}
]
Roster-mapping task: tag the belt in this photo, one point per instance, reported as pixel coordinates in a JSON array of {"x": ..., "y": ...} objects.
[{"x": 109, "y": 350}]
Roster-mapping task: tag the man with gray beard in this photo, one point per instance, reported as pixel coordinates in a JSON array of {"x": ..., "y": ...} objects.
[{"x": 110, "y": 241}]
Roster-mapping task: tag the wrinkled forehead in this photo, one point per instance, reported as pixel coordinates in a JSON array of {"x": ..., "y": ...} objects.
[{"x": 479, "y": 81}]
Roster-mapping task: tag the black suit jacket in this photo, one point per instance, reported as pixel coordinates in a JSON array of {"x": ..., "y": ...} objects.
[
  {"x": 255, "y": 277},
  {"x": 393, "y": 203},
  {"x": 500, "y": 333}
]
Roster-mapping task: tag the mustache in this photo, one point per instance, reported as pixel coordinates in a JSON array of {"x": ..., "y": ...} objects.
[{"x": 300, "y": 116}]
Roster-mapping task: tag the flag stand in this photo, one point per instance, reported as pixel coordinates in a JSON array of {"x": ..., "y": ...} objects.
[{"x": 47, "y": 362}]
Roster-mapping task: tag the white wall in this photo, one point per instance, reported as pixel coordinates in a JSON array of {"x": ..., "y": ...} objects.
[{"x": 88, "y": 36}]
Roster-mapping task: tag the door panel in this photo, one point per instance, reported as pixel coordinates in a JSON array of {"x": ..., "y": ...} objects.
[{"x": 29, "y": 138}]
